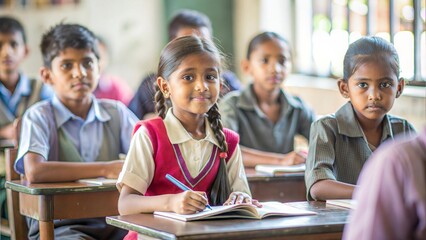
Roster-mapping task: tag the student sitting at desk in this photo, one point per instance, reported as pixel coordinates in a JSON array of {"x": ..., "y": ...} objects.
[
  {"x": 391, "y": 196},
  {"x": 341, "y": 143},
  {"x": 17, "y": 91},
  {"x": 187, "y": 141},
  {"x": 74, "y": 135},
  {"x": 263, "y": 114}
]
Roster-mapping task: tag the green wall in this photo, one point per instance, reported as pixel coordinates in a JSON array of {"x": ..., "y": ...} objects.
[{"x": 220, "y": 13}]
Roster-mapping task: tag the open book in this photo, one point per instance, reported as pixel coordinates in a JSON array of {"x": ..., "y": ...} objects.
[
  {"x": 346, "y": 203},
  {"x": 99, "y": 181},
  {"x": 273, "y": 169},
  {"x": 240, "y": 211}
]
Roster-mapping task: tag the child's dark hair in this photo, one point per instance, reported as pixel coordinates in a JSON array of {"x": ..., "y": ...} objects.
[
  {"x": 264, "y": 37},
  {"x": 11, "y": 25},
  {"x": 171, "y": 57},
  {"x": 63, "y": 36},
  {"x": 188, "y": 18},
  {"x": 368, "y": 49}
]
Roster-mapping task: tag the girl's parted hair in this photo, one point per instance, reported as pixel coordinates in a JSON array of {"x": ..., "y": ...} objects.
[
  {"x": 369, "y": 49},
  {"x": 171, "y": 57}
]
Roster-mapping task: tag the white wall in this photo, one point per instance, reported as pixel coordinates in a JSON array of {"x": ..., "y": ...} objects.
[{"x": 131, "y": 27}]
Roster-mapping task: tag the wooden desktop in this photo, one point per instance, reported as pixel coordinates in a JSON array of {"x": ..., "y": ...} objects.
[{"x": 327, "y": 224}]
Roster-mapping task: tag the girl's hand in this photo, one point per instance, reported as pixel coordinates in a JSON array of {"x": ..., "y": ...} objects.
[
  {"x": 293, "y": 158},
  {"x": 188, "y": 202},
  {"x": 240, "y": 197}
]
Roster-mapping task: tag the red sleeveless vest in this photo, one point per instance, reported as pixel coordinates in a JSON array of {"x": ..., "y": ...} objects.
[{"x": 168, "y": 160}]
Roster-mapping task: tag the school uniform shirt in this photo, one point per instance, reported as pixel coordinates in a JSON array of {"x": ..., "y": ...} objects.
[
  {"x": 241, "y": 113},
  {"x": 85, "y": 134},
  {"x": 24, "y": 89},
  {"x": 391, "y": 193},
  {"x": 138, "y": 169},
  {"x": 338, "y": 148}
]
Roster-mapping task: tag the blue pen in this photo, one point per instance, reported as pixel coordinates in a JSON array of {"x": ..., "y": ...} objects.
[{"x": 181, "y": 186}]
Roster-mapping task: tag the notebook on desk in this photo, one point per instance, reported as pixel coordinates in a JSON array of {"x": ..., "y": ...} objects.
[
  {"x": 346, "y": 203},
  {"x": 99, "y": 181},
  {"x": 239, "y": 211},
  {"x": 274, "y": 169}
]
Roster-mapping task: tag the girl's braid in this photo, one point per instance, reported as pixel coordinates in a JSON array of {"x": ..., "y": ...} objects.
[
  {"x": 160, "y": 103},
  {"x": 221, "y": 187}
]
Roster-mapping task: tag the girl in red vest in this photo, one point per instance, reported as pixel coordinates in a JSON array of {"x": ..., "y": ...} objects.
[{"x": 186, "y": 141}]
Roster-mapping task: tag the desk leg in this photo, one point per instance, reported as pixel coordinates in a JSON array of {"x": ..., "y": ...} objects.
[
  {"x": 46, "y": 218},
  {"x": 46, "y": 230}
]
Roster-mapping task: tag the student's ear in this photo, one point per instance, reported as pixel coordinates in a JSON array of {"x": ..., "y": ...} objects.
[
  {"x": 343, "y": 88},
  {"x": 164, "y": 87},
  {"x": 245, "y": 66},
  {"x": 400, "y": 87},
  {"x": 46, "y": 75}
]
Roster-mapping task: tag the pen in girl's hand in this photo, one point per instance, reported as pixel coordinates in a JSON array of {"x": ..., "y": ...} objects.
[{"x": 181, "y": 186}]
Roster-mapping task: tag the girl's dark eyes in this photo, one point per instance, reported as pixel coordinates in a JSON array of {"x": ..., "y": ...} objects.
[
  {"x": 362, "y": 85},
  {"x": 386, "y": 85},
  {"x": 187, "y": 77},
  {"x": 211, "y": 77},
  {"x": 264, "y": 60}
]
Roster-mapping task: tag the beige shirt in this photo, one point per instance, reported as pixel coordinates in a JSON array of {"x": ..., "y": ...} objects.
[
  {"x": 138, "y": 169},
  {"x": 338, "y": 148}
]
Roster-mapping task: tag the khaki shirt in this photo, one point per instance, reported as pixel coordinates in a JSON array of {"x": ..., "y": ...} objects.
[{"x": 338, "y": 149}]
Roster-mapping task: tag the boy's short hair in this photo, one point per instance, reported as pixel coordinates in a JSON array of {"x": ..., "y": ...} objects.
[
  {"x": 10, "y": 25},
  {"x": 188, "y": 18},
  {"x": 63, "y": 36}
]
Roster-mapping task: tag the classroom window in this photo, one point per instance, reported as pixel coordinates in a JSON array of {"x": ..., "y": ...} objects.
[{"x": 334, "y": 24}]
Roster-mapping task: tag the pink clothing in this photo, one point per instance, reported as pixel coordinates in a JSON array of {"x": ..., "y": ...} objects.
[
  {"x": 391, "y": 196},
  {"x": 112, "y": 87},
  {"x": 168, "y": 159}
]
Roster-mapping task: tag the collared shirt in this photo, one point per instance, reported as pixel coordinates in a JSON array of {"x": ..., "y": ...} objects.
[
  {"x": 138, "y": 169},
  {"x": 241, "y": 113},
  {"x": 338, "y": 148},
  {"x": 85, "y": 134},
  {"x": 391, "y": 193},
  {"x": 23, "y": 88}
]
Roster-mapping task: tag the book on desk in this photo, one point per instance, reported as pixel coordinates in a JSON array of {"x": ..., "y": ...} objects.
[
  {"x": 239, "y": 211},
  {"x": 99, "y": 181},
  {"x": 275, "y": 169},
  {"x": 345, "y": 203}
]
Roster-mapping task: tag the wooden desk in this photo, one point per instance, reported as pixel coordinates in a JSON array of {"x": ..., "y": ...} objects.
[
  {"x": 6, "y": 143},
  {"x": 72, "y": 200},
  {"x": 328, "y": 224},
  {"x": 285, "y": 187}
]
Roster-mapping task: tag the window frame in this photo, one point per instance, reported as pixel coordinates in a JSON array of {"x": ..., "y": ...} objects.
[{"x": 299, "y": 8}]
